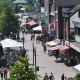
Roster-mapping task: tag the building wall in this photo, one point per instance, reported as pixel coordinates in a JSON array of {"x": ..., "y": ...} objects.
[
  {"x": 71, "y": 22},
  {"x": 46, "y": 12}
]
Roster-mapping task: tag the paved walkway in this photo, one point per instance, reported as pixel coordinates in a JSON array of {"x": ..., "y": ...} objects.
[{"x": 47, "y": 63}]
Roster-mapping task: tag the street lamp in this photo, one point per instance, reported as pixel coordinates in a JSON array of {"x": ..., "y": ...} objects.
[
  {"x": 34, "y": 59},
  {"x": 23, "y": 40},
  {"x": 36, "y": 67},
  {"x": 33, "y": 54}
]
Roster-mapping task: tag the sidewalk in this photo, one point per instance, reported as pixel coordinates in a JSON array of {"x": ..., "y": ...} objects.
[{"x": 47, "y": 63}]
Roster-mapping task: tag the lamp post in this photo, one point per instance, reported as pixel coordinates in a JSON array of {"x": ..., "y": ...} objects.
[
  {"x": 35, "y": 59},
  {"x": 23, "y": 40},
  {"x": 33, "y": 54}
]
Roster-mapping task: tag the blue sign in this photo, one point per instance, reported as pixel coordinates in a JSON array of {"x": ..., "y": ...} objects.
[{"x": 52, "y": 32}]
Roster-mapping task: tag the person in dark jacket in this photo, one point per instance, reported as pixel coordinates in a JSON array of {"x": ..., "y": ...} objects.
[
  {"x": 51, "y": 77},
  {"x": 62, "y": 77}
]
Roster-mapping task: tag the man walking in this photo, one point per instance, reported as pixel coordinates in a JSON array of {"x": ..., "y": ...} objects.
[
  {"x": 51, "y": 77},
  {"x": 46, "y": 77}
]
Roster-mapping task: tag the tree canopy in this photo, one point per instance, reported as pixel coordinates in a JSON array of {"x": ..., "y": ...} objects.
[
  {"x": 22, "y": 70},
  {"x": 8, "y": 20}
]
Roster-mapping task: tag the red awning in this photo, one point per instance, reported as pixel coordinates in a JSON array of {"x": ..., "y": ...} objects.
[
  {"x": 61, "y": 48},
  {"x": 31, "y": 23}
]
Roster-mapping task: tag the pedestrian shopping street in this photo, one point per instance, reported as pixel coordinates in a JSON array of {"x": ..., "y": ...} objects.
[{"x": 46, "y": 63}]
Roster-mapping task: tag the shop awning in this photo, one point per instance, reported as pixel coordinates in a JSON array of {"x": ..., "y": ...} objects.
[
  {"x": 31, "y": 23},
  {"x": 55, "y": 48},
  {"x": 39, "y": 28},
  {"x": 77, "y": 67},
  {"x": 61, "y": 48},
  {"x": 51, "y": 43},
  {"x": 75, "y": 46}
]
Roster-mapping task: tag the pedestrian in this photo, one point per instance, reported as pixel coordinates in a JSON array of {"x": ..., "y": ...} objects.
[
  {"x": 44, "y": 47},
  {"x": 62, "y": 77},
  {"x": 46, "y": 77},
  {"x": 31, "y": 37},
  {"x": 65, "y": 78},
  {"x": 5, "y": 71},
  {"x": 51, "y": 77},
  {"x": 2, "y": 73}
]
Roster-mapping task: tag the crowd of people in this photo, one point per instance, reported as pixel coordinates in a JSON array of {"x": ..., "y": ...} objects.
[
  {"x": 51, "y": 77},
  {"x": 4, "y": 72}
]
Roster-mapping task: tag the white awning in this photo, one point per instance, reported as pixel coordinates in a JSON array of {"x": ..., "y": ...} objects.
[
  {"x": 55, "y": 48},
  {"x": 52, "y": 13},
  {"x": 10, "y": 43},
  {"x": 24, "y": 17},
  {"x": 77, "y": 67},
  {"x": 53, "y": 43},
  {"x": 38, "y": 28}
]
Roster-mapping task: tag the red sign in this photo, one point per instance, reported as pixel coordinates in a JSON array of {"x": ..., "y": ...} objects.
[{"x": 52, "y": 26}]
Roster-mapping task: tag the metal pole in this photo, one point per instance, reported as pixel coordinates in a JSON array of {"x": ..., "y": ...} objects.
[
  {"x": 35, "y": 59},
  {"x": 23, "y": 41},
  {"x": 33, "y": 54}
]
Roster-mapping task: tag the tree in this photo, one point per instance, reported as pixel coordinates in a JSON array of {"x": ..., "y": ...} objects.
[
  {"x": 22, "y": 70},
  {"x": 8, "y": 21},
  {"x": 16, "y": 8},
  {"x": 28, "y": 8}
]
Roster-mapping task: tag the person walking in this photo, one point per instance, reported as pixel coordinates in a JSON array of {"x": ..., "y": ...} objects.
[
  {"x": 5, "y": 71},
  {"x": 62, "y": 77},
  {"x": 44, "y": 47},
  {"x": 46, "y": 77},
  {"x": 51, "y": 77},
  {"x": 2, "y": 73}
]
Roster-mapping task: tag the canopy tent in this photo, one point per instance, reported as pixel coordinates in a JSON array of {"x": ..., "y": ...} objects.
[
  {"x": 31, "y": 23},
  {"x": 55, "y": 48},
  {"x": 10, "y": 43},
  {"x": 24, "y": 17},
  {"x": 39, "y": 28},
  {"x": 77, "y": 67},
  {"x": 20, "y": 1},
  {"x": 63, "y": 47},
  {"x": 51, "y": 43}
]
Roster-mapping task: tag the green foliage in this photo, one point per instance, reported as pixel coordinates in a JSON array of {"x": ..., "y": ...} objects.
[
  {"x": 77, "y": 76},
  {"x": 22, "y": 70},
  {"x": 71, "y": 78},
  {"x": 8, "y": 21},
  {"x": 16, "y": 8},
  {"x": 28, "y": 8}
]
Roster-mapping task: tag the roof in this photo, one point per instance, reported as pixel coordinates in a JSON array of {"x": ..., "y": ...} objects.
[
  {"x": 74, "y": 10},
  {"x": 66, "y": 2},
  {"x": 20, "y": 1},
  {"x": 75, "y": 45}
]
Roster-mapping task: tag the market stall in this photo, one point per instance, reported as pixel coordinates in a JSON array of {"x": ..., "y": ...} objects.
[
  {"x": 63, "y": 50},
  {"x": 53, "y": 43},
  {"x": 52, "y": 50}
]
